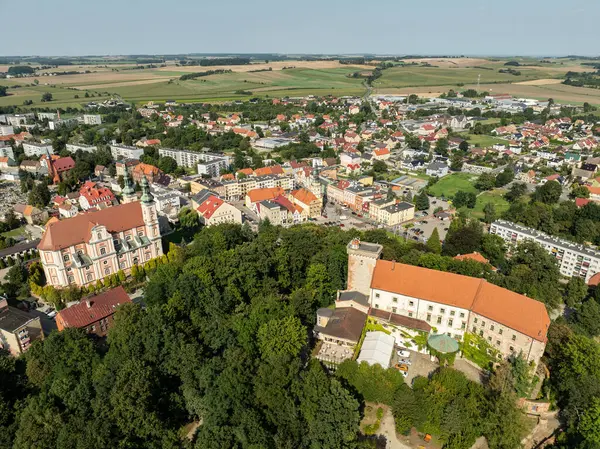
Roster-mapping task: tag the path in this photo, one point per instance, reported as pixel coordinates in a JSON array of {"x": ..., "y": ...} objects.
[{"x": 388, "y": 430}]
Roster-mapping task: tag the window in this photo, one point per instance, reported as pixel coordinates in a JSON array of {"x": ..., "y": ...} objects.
[
  {"x": 500, "y": 331},
  {"x": 66, "y": 257},
  {"x": 463, "y": 325},
  {"x": 411, "y": 303},
  {"x": 492, "y": 327},
  {"x": 442, "y": 311},
  {"x": 439, "y": 320},
  {"x": 89, "y": 277},
  {"x": 452, "y": 313},
  {"x": 376, "y": 295},
  {"x": 140, "y": 234},
  {"x": 462, "y": 314},
  {"x": 450, "y": 321},
  {"x": 428, "y": 317},
  {"x": 105, "y": 262},
  {"x": 489, "y": 339},
  {"x": 514, "y": 337},
  {"x": 102, "y": 251},
  {"x": 71, "y": 279},
  {"x": 377, "y": 306},
  {"x": 107, "y": 271},
  {"x": 497, "y": 342},
  {"x": 512, "y": 349},
  {"x": 474, "y": 329},
  {"x": 394, "y": 299},
  {"x": 430, "y": 308},
  {"x": 99, "y": 235},
  {"x": 475, "y": 320},
  {"x": 483, "y": 324},
  {"x": 410, "y": 314},
  {"x": 394, "y": 309},
  {"x": 128, "y": 237},
  {"x": 481, "y": 333}
]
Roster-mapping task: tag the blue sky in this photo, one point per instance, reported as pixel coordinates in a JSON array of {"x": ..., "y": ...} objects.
[{"x": 471, "y": 27}]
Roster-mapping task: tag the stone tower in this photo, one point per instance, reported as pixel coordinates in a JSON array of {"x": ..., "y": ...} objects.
[
  {"x": 362, "y": 258},
  {"x": 128, "y": 190}
]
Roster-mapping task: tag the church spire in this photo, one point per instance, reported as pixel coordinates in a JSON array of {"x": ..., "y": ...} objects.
[
  {"x": 147, "y": 197},
  {"x": 128, "y": 190}
]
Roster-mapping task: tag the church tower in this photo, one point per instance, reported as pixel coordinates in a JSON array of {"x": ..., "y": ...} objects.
[
  {"x": 128, "y": 190},
  {"x": 150, "y": 218},
  {"x": 362, "y": 258}
]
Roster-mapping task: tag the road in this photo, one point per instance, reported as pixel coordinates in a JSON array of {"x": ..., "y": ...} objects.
[{"x": 388, "y": 430}]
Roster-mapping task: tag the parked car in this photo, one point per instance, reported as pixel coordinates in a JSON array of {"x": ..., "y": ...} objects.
[
  {"x": 341, "y": 225},
  {"x": 405, "y": 361},
  {"x": 401, "y": 367},
  {"x": 404, "y": 353}
]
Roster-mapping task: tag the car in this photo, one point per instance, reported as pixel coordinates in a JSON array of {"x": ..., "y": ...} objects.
[
  {"x": 324, "y": 216},
  {"x": 359, "y": 215},
  {"x": 404, "y": 373},
  {"x": 341, "y": 225},
  {"x": 424, "y": 222},
  {"x": 404, "y": 353},
  {"x": 401, "y": 367},
  {"x": 415, "y": 237},
  {"x": 405, "y": 362},
  {"x": 434, "y": 202}
]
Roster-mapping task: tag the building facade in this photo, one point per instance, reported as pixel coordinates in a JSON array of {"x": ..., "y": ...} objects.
[
  {"x": 573, "y": 259},
  {"x": 37, "y": 149},
  {"x": 89, "y": 247},
  {"x": 125, "y": 152},
  {"x": 18, "y": 329}
]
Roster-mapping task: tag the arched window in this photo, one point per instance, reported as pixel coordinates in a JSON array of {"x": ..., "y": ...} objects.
[
  {"x": 102, "y": 251},
  {"x": 89, "y": 277},
  {"x": 66, "y": 257},
  {"x": 99, "y": 235},
  {"x": 71, "y": 279},
  {"x": 107, "y": 271}
]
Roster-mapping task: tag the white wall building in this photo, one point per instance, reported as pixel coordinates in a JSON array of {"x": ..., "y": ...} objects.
[
  {"x": 92, "y": 119},
  {"x": 73, "y": 148},
  {"x": 6, "y": 130},
  {"x": 125, "y": 152},
  {"x": 37, "y": 149}
]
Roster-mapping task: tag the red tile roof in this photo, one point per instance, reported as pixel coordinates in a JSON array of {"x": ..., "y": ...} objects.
[
  {"x": 210, "y": 206},
  {"x": 93, "y": 309},
  {"x": 95, "y": 194},
  {"x": 69, "y": 232},
  {"x": 472, "y": 256},
  {"x": 64, "y": 164}
]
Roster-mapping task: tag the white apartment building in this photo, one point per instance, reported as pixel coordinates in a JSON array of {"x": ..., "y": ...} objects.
[
  {"x": 92, "y": 119},
  {"x": 73, "y": 148},
  {"x": 7, "y": 151},
  {"x": 573, "y": 259},
  {"x": 6, "y": 130},
  {"x": 125, "y": 152},
  {"x": 37, "y": 149}
]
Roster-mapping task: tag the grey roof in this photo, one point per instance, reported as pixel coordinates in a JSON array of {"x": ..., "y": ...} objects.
[
  {"x": 377, "y": 348},
  {"x": 398, "y": 207},
  {"x": 436, "y": 166},
  {"x": 354, "y": 296},
  {"x": 12, "y": 319}
]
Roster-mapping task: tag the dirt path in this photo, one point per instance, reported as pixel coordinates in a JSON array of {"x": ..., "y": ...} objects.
[{"x": 388, "y": 430}]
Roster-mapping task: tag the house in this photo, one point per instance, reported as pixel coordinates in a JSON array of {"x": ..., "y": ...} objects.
[
  {"x": 381, "y": 154},
  {"x": 438, "y": 169},
  {"x": 256, "y": 195},
  {"x": 94, "y": 314},
  {"x": 30, "y": 166},
  {"x": 395, "y": 214},
  {"x": 348, "y": 159},
  {"x": 477, "y": 257},
  {"x": 32, "y": 215},
  {"x": 125, "y": 165},
  {"x": 354, "y": 109},
  {"x": 89, "y": 247},
  {"x": 150, "y": 172},
  {"x": 18, "y": 329},
  {"x": 95, "y": 196},
  {"x": 307, "y": 201},
  {"x": 6, "y": 162},
  {"x": 454, "y": 304},
  {"x": 67, "y": 210},
  {"x": 213, "y": 210},
  {"x": 101, "y": 171}
]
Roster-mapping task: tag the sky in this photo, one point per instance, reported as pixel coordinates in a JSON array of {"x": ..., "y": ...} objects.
[{"x": 431, "y": 27}]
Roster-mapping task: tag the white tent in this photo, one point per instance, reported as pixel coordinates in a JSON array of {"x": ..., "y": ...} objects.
[{"x": 377, "y": 347}]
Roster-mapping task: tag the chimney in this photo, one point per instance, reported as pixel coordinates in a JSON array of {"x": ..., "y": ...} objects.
[
  {"x": 88, "y": 303},
  {"x": 393, "y": 264}
]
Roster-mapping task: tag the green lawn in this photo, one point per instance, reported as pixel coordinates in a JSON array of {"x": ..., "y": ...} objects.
[
  {"x": 495, "y": 197},
  {"x": 449, "y": 185},
  {"x": 18, "y": 232},
  {"x": 483, "y": 141}
]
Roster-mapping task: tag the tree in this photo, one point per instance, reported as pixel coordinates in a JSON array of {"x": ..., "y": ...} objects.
[
  {"x": 463, "y": 198},
  {"x": 47, "y": 96},
  {"x": 516, "y": 191},
  {"x": 282, "y": 337},
  {"x": 463, "y": 146},
  {"x": 167, "y": 164},
  {"x": 589, "y": 425},
  {"x": 422, "y": 201},
  {"x": 586, "y": 318},
  {"x": 3, "y": 90},
  {"x": 579, "y": 191},
  {"x": 463, "y": 237},
  {"x": 493, "y": 248},
  {"x": 505, "y": 176},
  {"x": 441, "y": 147},
  {"x": 549, "y": 193},
  {"x": 490, "y": 214},
  {"x": 433, "y": 243},
  {"x": 39, "y": 196},
  {"x": 575, "y": 291},
  {"x": 188, "y": 218},
  {"x": 486, "y": 181}
]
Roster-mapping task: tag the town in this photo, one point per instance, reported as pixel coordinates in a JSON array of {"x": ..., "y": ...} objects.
[{"x": 301, "y": 271}]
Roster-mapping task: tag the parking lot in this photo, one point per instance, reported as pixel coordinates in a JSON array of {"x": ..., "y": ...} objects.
[{"x": 420, "y": 364}]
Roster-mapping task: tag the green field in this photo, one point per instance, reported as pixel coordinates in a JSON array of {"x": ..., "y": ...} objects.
[
  {"x": 480, "y": 140},
  {"x": 449, "y": 185},
  {"x": 495, "y": 197},
  {"x": 18, "y": 232}
]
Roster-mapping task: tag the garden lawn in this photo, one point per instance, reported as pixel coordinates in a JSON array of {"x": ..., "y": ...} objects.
[
  {"x": 496, "y": 197},
  {"x": 449, "y": 185}
]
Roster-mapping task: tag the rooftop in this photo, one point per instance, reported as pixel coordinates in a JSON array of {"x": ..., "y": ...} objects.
[
  {"x": 93, "y": 308},
  {"x": 12, "y": 319},
  {"x": 346, "y": 323}
]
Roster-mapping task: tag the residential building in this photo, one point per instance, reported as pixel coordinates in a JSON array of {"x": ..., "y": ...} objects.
[
  {"x": 256, "y": 195},
  {"x": 73, "y": 148},
  {"x": 151, "y": 173},
  {"x": 452, "y": 304},
  {"x": 94, "y": 314},
  {"x": 125, "y": 152},
  {"x": 95, "y": 196},
  {"x": 18, "y": 329},
  {"x": 189, "y": 159},
  {"x": 6, "y": 130},
  {"x": 396, "y": 214},
  {"x": 213, "y": 167},
  {"x": 168, "y": 201},
  {"x": 272, "y": 211},
  {"x": 32, "y": 215},
  {"x": 573, "y": 259},
  {"x": 37, "y": 149},
  {"x": 437, "y": 168},
  {"x": 125, "y": 165},
  {"x": 307, "y": 201},
  {"x": 6, "y": 151},
  {"x": 213, "y": 210},
  {"x": 92, "y": 119},
  {"x": 88, "y": 247}
]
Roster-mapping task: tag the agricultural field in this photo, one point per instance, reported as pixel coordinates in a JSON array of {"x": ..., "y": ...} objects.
[{"x": 449, "y": 185}]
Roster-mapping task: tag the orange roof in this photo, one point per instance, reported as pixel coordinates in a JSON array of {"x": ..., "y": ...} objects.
[
  {"x": 146, "y": 169},
  {"x": 28, "y": 210},
  {"x": 304, "y": 196},
  {"x": 516, "y": 311},
  {"x": 594, "y": 280},
  {"x": 263, "y": 171},
  {"x": 246, "y": 171},
  {"x": 381, "y": 152},
  {"x": 227, "y": 177},
  {"x": 594, "y": 190},
  {"x": 472, "y": 256},
  {"x": 268, "y": 193},
  {"x": 3, "y": 159},
  {"x": 69, "y": 232}
]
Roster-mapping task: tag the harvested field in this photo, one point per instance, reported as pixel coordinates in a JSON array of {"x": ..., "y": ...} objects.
[
  {"x": 541, "y": 82},
  {"x": 275, "y": 65}
]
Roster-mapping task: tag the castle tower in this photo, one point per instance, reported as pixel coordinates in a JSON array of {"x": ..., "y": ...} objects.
[
  {"x": 128, "y": 190},
  {"x": 362, "y": 258}
]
